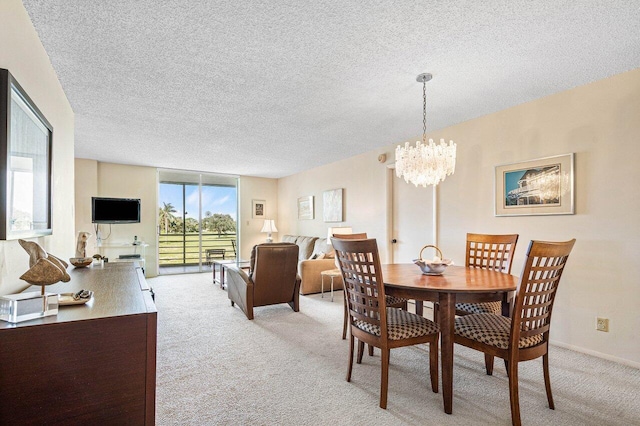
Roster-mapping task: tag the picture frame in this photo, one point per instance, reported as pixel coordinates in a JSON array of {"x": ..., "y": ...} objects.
[
  {"x": 258, "y": 209},
  {"x": 26, "y": 139},
  {"x": 544, "y": 186},
  {"x": 332, "y": 205},
  {"x": 305, "y": 208}
]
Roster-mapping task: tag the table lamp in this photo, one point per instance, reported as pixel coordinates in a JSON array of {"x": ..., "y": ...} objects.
[{"x": 269, "y": 227}]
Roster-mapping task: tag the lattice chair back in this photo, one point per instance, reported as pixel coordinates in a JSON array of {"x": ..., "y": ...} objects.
[
  {"x": 359, "y": 236},
  {"x": 359, "y": 263},
  {"x": 392, "y": 302},
  {"x": 537, "y": 290},
  {"x": 493, "y": 252}
]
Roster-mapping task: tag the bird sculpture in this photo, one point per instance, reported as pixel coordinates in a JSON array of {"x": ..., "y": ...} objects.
[
  {"x": 81, "y": 245},
  {"x": 45, "y": 268}
]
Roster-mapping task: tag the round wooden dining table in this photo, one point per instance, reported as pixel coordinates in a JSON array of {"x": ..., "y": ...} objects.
[{"x": 456, "y": 284}]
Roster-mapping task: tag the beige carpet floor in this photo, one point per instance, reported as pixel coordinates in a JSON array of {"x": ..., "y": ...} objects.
[{"x": 216, "y": 367}]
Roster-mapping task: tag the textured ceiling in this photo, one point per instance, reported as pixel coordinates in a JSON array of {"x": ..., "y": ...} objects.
[{"x": 270, "y": 88}]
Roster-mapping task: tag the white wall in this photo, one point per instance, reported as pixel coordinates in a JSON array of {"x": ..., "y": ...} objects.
[
  {"x": 23, "y": 55},
  {"x": 124, "y": 181},
  {"x": 86, "y": 184},
  {"x": 251, "y": 188},
  {"x": 363, "y": 179},
  {"x": 600, "y": 122},
  {"x": 97, "y": 179}
]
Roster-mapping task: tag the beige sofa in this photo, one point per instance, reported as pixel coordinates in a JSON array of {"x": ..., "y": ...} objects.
[{"x": 314, "y": 256}]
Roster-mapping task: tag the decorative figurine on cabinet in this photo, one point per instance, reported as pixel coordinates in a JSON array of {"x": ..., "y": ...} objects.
[
  {"x": 44, "y": 269},
  {"x": 81, "y": 260}
]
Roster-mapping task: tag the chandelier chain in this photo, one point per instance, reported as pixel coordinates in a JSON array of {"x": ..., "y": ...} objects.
[{"x": 424, "y": 111}]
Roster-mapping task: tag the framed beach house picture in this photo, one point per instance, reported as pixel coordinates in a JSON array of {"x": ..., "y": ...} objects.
[{"x": 536, "y": 187}]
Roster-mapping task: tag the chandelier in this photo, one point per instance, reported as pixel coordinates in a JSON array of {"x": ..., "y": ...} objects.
[{"x": 425, "y": 163}]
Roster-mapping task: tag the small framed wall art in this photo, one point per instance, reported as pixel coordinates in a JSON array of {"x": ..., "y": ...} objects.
[
  {"x": 305, "y": 207},
  {"x": 332, "y": 205},
  {"x": 536, "y": 187},
  {"x": 258, "y": 209}
]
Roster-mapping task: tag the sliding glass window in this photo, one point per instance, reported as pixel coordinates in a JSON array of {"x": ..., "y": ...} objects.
[{"x": 197, "y": 220}]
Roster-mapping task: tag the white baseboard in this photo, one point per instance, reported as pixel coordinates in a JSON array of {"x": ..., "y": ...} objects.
[{"x": 597, "y": 354}]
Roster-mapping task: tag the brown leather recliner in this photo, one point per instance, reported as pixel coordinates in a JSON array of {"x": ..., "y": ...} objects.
[{"x": 273, "y": 278}]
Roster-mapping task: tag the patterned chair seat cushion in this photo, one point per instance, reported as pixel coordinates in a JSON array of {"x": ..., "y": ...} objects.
[
  {"x": 392, "y": 300},
  {"x": 401, "y": 325},
  {"x": 491, "y": 329},
  {"x": 480, "y": 308}
]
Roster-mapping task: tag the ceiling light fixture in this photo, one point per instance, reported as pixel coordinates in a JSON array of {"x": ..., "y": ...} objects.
[{"x": 425, "y": 163}]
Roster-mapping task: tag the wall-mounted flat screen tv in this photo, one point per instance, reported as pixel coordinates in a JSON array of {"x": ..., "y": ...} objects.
[{"x": 115, "y": 210}]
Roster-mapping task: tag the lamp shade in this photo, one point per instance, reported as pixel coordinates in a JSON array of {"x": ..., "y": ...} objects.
[
  {"x": 338, "y": 230},
  {"x": 269, "y": 226}
]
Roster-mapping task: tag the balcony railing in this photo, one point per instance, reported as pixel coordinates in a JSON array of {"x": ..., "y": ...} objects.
[{"x": 183, "y": 249}]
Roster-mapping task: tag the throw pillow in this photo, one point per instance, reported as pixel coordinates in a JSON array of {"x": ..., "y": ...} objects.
[
  {"x": 321, "y": 247},
  {"x": 306, "y": 245},
  {"x": 289, "y": 239}
]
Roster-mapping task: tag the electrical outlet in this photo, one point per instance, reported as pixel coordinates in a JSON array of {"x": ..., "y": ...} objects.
[{"x": 602, "y": 324}]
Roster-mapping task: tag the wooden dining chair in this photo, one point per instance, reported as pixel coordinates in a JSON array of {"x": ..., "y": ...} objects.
[
  {"x": 392, "y": 302},
  {"x": 371, "y": 320},
  {"x": 525, "y": 335},
  {"x": 493, "y": 252}
]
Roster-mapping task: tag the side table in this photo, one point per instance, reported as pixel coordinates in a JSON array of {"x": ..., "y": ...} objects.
[
  {"x": 222, "y": 266},
  {"x": 331, "y": 273}
]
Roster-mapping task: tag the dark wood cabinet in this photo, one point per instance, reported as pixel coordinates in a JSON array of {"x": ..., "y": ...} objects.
[{"x": 89, "y": 364}]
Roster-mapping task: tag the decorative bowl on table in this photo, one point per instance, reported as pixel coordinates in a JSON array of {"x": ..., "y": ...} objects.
[
  {"x": 81, "y": 262},
  {"x": 435, "y": 266}
]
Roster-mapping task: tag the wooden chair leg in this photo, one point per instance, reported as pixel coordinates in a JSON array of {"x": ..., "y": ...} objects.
[
  {"x": 344, "y": 320},
  {"x": 295, "y": 305},
  {"x": 351, "y": 340},
  {"x": 360, "y": 351},
  {"x": 433, "y": 364},
  {"x": 547, "y": 380},
  {"x": 488, "y": 364},
  {"x": 506, "y": 366},
  {"x": 370, "y": 350},
  {"x": 384, "y": 378},
  {"x": 513, "y": 393}
]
